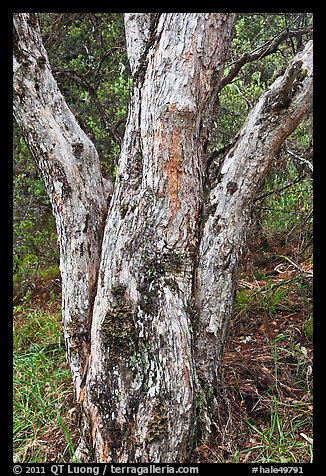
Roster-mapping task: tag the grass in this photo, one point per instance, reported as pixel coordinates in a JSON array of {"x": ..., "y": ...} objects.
[
  {"x": 36, "y": 326},
  {"x": 42, "y": 384},
  {"x": 45, "y": 431},
  {"x": 279, "y": 440},
  {"x": 266, "y": 370},
  {"x": 269, "y": 297}
]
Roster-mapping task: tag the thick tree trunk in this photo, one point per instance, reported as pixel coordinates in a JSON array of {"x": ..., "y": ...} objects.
[
  {"x": 141, "y": 381},
  {"x": 147, "y": 299}
]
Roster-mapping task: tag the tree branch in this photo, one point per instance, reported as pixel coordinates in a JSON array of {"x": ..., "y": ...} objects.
[
  {"x": 221, "y": 151},
  {"x": 271, "y": 192},
  {"x": 139, "y": 29},
  {"x": 70, "y": 167},
  {"x": 300, "y": 159},
  {"x": 259, "y": 53},
  {"x": 101, "y": 60},
  {"x": 83, "y": 82},
  {"x": 227, "y": 212}
]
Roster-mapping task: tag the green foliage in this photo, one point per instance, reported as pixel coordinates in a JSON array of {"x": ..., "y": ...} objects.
[
  {"x": 41, "y": 381},
  {"x": 89, "y": 55},
  {"x": 34, "y": 249},
  {"x": 253, "y": 31},
  {"x": 288, "y": 209},
  {"x": 52, "y": 272},
  {"x": 87, "y": 51},
  {"x": 34, "y": 233}
]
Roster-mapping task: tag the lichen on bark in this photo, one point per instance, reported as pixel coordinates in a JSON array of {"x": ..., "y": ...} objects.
[
  {"x": 158, "y": 423},
  {"x": 118, "y": 331}
]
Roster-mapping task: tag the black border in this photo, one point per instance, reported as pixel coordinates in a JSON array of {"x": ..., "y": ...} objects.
[{"x": 6, "y": 335}]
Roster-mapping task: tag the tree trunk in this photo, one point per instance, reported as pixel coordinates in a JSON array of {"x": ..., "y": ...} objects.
[
  {"x": 142, "y": 328},
  {"x": 69, "y": 165},
  {"x": 147, "y": 298}
]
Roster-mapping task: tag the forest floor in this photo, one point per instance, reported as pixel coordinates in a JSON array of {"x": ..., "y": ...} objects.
[{"x": 265, "y": 410}]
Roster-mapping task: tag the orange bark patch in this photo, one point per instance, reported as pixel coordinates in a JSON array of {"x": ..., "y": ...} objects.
[
  {"x": 95, "y": 431},
  {"x": 105, "y": 453},
  {"x": 80, "y": 398},
  {"x": 174, "y": 171},
  {"x": 172, "y": 106},
  {"x": 94, "y": 423},
  {"x": 188, "y": 55},
  {"x": 168, "y": 143}
]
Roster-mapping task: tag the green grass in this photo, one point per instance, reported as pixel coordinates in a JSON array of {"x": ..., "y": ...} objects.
[
  {"x": 42, "y": 379},
  {"x": 280, "y": 440},
  {"x": 36, "y": 326},
  {"x": 268, "y": 298},
  {"x": 41, "y": 382}
]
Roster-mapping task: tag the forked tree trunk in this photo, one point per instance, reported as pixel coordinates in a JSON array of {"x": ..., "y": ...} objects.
[{"x": 147, "y": 299}]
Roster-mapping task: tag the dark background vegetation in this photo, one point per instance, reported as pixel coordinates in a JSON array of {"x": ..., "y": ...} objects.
[{"x": 266, "y": 398}]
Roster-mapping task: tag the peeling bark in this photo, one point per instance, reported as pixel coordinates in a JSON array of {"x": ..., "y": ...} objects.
[{"x": 149, "y": 278}]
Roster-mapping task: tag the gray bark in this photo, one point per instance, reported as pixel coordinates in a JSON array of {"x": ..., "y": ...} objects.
[{"x": 149, "y": 283}]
